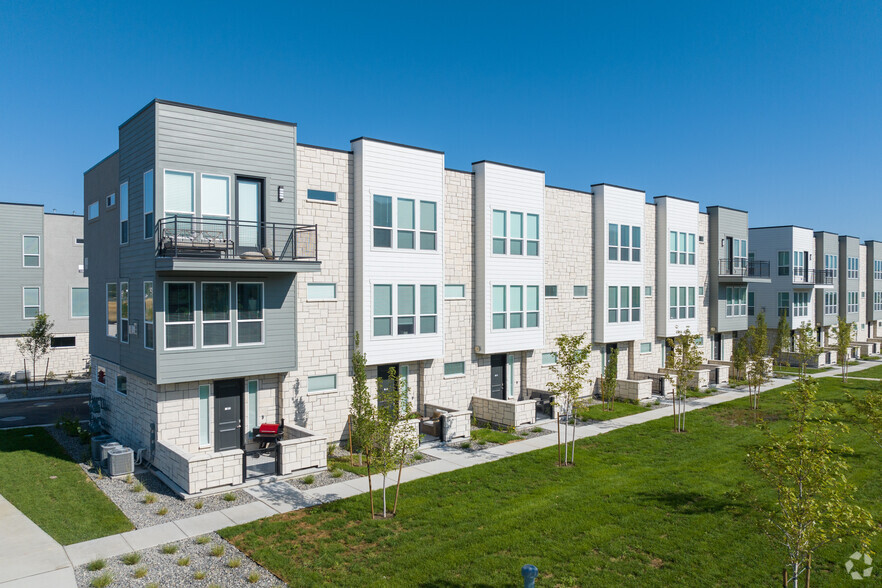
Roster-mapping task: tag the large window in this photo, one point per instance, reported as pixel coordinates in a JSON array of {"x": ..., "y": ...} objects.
[
  {"x": 623, "y": 304},
  {"x": 204, "y": 429},
  {"x": 215, "y": 314},
  {"x": 877, "y": 269},
  {"x": 428, "y": 309},
  {"x": 111, "y": 309},
  {"x": 124, "y": 213},
  {"x": 179, "y": 192},
  {"x": 784, "y": 304},
  {"x": 533, "y": 234},
  {"x": 853, "y": 268},
  {"x": 249, "y": 313},
  {"x": 739, "y": 253},
  {"x": 180, "y": 315},
  {"x": 79, "y": 303},
  {"x": 831, "y": 302},
  {"x": 148, "y": 204},
  {"x": 783, "y": 263},
  {"x": 682, "y": 248},
  {"x": 515, "y": 307},
  {"x": 124, "y": 312},
  {"x": 516, "y": 233},
  {"x": 382, "y": 310},
  {"x": 30, "y": 302},
  {"x": 149, "y": 332},
  {"x": 215, "y": 197},
  {"x": 30, "y": 248},
  {"x": 800, "y": 304},
  {"x": 831, "y": 266},
  {"x": 403, "y": 213},
  {"x": 516, "y": 314},
  {"x": 736, "y": 301},
  {"x": 406, "y": 319},
  {"x": 406, "y": 309},
  {"x": 516, "y": 243},
  {"x": 532, "y": 306},
  {"x": 682, "y": 303},
  {"x": 799, "y": 265},
  {"x": 406, "y": 223},
  {"x": 877, "y": 301},
  {"x": 623, "y": 242},
  {"x": 852, "y": 302}
]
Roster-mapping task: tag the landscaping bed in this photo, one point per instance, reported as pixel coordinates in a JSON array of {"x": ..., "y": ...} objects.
[
  {"x": 208, "y": 562},
  {"x": 338, "y": 459},
  {"x": 19, "y": 391},
  {"x": 485, "y": 437}
]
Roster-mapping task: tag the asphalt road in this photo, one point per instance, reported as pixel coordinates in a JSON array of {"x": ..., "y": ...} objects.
[{"x": 42, "y": 412}]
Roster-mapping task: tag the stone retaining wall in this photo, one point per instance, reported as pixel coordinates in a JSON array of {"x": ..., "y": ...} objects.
[
  {"x": 456, "y": 423},
  {"x": 306, "y": 451},
  {"x": 634, "y": 389},
  {"x": 507, "y": 413},
  {"x": 196, "y": 472}
]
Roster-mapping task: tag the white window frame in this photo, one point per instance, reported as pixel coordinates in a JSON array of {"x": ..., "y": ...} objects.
[
  {"x": 853, "y": 307},
  {"x": 393, "y": 295},
  {"x": 527, "y": 238},
  {"x": 93, "y": 207},
  {"x": 798, "y": 263},
  {"x": 546, "y": 355},
  {"x": 417, "y": 229},
  {"x": 455, "y": 374},
  {"x": 495, "y": 237},
  {"x": 314, "y": 299},
  {"x": 319, "y": 200},
  {"x": 418, "y": 221},
  {"x": 24, "y": 313},
  {"x": 72, "y": 315},
  {"x": 149, "y": 213},
  {"x": 877, "y": 301},
  {"x": 261, "y": 320},
  {"x": 203, "y": 322},
  {"x": 311, "y": 392},
  {"x": 124, "y": 213},
  {"x": 152, "y": 323},
  {"x": 106, "y": 313},
  {"x": 831, "y": 303},
  {"x": 503, "y": 311},
  {"x": 585, "y": 295},
  {"x": 39, "y": 253},
  {"x": 207, "y": 410},
  {"x": 165, "y": 209},
  {"x": 877, "y": 269},
  {"x": 648, "y": 351},
  {"x": 446, "y": 297},
  {"x": 784, "y": 270},
  {"x": 853, "y": 268},
  {"x": 800, "y": 304},
  {"x": 166, "y": 322},
  {"x": 786, "y": 307},
  {"x": 252, "y": 404},
  {"x": 123, "y": 320},
  {"x": 736, "y": 301},
  {"x": 230, "y": 188}
]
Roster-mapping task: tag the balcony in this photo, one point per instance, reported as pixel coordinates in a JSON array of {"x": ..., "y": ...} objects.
[
  {"x": 194, "y": 244},
  {"x": 742, "y": 270},
  {"x": 808, "y": 277}
]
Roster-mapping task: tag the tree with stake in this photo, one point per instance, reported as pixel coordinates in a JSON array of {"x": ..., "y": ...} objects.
[
  {"x": 570, "y": 370},
  {"x": 362, "y": 412},
  {"x": 609, "y": 383},
  {"x": 782, "y": 340},
  {"x": 739, "y": 358},
  {"x": 814, "y": 499},
  {"x": 392, "y": 440},
  {"x": 759, "y": 366},
  {"x": 807, "y": 348},
  {"x": 35, "y": 343},
  {"x": 844, "y": 333},
  {"x": 403, "y": 441},
  {"x": 869, "y": 412},
  {"x": 683, "y": 359}
]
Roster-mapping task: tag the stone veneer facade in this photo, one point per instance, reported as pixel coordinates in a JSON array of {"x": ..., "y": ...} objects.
[{"x": 61, "y": 359}]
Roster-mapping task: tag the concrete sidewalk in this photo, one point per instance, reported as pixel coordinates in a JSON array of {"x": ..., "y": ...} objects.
[{"x": 29, "y": 557}]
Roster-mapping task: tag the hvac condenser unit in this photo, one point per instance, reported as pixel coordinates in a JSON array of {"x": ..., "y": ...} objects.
[
  {"x": 105, "y": 449},
  {"x": 97, "y": 442},
  {"x": 120, "y": 461}
]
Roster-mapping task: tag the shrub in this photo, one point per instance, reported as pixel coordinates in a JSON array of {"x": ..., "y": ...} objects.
[
  {"x": 198, "y": 504},
  {"x": 202, "y": 539},
  {"x": 131, "y": 559},
  {"x": 149, "y": 498},
  {"x": 140, "y": 572},
  {"x": 101, "y": 581},
  {"x": 417, "y": 455},
  {"x": 217, "y": 550},
  {"x": 336, "y": 473},
  {"x": 332, "y": 448},
  {"x": 309, "y": 479},
  {"x": 253, "y": 577},
  {"x": 96, "y": 564},
  {"x": 152, "y": 585},
  {"x": 199, "y": 576},
  {"x": 129, "y": 479},
  {"x": 536, "y": 430},
  {"x": 184, "y": 561},
  {"x": 138, "y": 487},
  {"x": 162, "y": 511},
  {"x": 169, "y": 548},
  {"x": 482, "y": 442},
  {"x": 465, "y": 445},
  {"x": 229, "y": 497},
  {"x": 234, "y": 563}
]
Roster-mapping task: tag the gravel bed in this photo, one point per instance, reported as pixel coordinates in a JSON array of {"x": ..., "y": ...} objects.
[
  {"x": 163, "y": 569},
  {"x": 76, "y": 450},
  {"x": 19, "y": 391},
  {"x": 474, "y": 446},
  {"x": 323, "y": 478}
]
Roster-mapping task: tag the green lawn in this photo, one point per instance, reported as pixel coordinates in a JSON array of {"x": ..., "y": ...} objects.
[
  {"x": 595, "y": 412},
  {"x": 795, "y": 370},
  {"x": 642, "y": 507},
  {"x": 39, "y": 478},
  {"x": 873, "y": 372},
  {"x": 489, "y": 435}
]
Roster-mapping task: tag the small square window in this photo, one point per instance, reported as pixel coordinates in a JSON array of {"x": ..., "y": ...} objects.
[
  {"x": 646, "y": 348},
  {"x": 701, "y": 290},
  {"x": 551, "y": 291},
  {"x": 111, "y": 200},
  {"x": 321, "y": 383},
  {"x": 549, "y": 358},
  {"x": 454, "y": 368},
  {"x": 580, "y": 291},
  {"x": 649, "y": 290},
  {"x": 121, "y": 384},
  {"x": 454, "y": 291}
]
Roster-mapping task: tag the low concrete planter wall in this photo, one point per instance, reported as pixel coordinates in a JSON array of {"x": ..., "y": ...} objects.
[
  {"x": 634, "y": 389},
  {"x": 721, "y": 370},
  {"x": 305, "y": 450},
  {"x": 659, "y": 383},
  {"x": 869, "y": 348},
  {"x": 456, "y": 423},
  {"x": 827, "y": 357},
  {"x": 506, "y": 413},
  {"x": 700, "y": 378},
  {"x": 194, "y": 472}
]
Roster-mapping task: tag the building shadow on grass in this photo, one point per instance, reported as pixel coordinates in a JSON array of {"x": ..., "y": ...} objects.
[{"x": 691, "y": 503}]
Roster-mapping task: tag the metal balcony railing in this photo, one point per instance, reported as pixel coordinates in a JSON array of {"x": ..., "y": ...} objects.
[
  {"x": 218, "y": 238},
  {"x": 809, "y": 276},
  {"x": 744, "y": 268}
]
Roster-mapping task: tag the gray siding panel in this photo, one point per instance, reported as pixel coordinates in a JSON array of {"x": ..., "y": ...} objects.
[
  {"x": 20, "y": 220},
  {"x": 63, "y": 258},
  {"x": 724, "y": 222}
]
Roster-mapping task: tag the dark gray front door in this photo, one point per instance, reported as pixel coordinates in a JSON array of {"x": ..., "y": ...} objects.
[
  {"x": 228, "y": 414},
  {"x": 497, "y": 376},
  {"x": 384, "y": 372},
  {"x": 718, "y": 346}
]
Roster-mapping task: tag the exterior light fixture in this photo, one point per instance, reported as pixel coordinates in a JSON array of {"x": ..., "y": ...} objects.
[{"x": 281, "y": 193}]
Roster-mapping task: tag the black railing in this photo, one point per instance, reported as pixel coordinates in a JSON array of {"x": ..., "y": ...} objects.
[
  {"x": 218, "y": 238},
  {"x": 744, "y": 268},
  {"x": 810, "y": 276}
]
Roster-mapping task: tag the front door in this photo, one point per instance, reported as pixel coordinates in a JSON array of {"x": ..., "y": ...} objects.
[
  {"x": 248, "y": 195},
  {"x": 228, "y": 414},
  {"x": 497, "y": 376},
  {"x": 727, "y": 255},
  {"x": 718, "y": 346},
  {"x": 384, "y": 372}
]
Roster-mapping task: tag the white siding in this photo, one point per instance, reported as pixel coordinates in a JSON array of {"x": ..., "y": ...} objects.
[{"x": 681, "y": 216}]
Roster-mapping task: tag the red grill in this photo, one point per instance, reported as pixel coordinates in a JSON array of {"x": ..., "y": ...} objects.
[{"x": 268, "y": 434}]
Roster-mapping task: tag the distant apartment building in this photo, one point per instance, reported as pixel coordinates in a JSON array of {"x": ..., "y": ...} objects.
[
  {"x": 42, "y": 267},
  {"x": 231, "y": 277}
]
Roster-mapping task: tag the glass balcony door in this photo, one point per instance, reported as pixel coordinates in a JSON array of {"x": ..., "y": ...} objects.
[{"x": 248, "y": 194}]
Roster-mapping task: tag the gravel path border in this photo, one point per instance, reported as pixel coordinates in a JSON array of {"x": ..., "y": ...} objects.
[{"x": 163, "y": 569}]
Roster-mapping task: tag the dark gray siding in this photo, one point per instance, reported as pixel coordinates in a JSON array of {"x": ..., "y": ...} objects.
[
  {"x": 722, "y": 223},
  {"x": 101, "y": 255},
  {"x": 848, "y": 247},
  {"x": 827, "y": 244},
  {"x": 19, "y": 220},
  {"x": 277, "y": 354}
]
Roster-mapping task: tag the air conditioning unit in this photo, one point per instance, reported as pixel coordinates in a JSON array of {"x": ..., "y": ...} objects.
[
  {"x": 105, "y": 449},
  {"x": 120, "y": 461},
  {"x": 97, "y": 442}
]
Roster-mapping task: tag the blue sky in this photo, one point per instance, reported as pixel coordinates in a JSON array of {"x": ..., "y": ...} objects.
[{"x": 772, "y": 107}]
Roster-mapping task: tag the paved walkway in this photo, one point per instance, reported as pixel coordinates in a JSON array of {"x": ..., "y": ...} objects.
[{"x": 29, "y": 557}]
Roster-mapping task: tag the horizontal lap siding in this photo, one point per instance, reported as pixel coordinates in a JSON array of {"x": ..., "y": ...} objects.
[{"x": 19, "y": 220}]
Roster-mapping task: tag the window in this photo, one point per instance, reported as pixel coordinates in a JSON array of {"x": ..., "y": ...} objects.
[
  {"x": 30, "y": 250},
  {"x": 406, "y": 310},
  {"x": 124, "y": 213},
  {"x": 149, "y": 333},
  {"x": 613, "y": 240},
  {"x": 180, "y": 315},
  {"x": 215, "y": 198},
  {"x": 799, "y": 265},
  {"x": 249, "y": 315},
  {"x": 454, "y": 291},
  {"x": 251, "y": 406},
  {"x": 382, "y": 221},
  {"x": 800, "y": 304},
  {"x": 79, "y": 303},
  {"x": 624, "y": 304},
  {"x": 406, "y": 225},
  {"x": 831, "y": 265},
  {"x": 319, "y": 291},
  {"x": 682, "y": 303},
  {"x": 549, "y": 358},
  {"x": 682, "y": 248},
  {"x": 124, "y": 312},
  {"x": 56, "y": 342},
  {"x": 321, "y": 195},
  {"x": 215, "y": 314},
  {"x": 532, "y": 306},
  {"x": 179, "y": 192},
  {"x": 499, "y": 232},
  {"x": 783, "y": 263},
  {"x": 580, "y": 291},
  {"x": 121, "y": 384},
  {"x": 739, "y": 254},
  {"x": 701, "y": 290},
  {"x": 111, "y": 309},
  {"x": 454, "y": 368},
  {"x": 204, "y": 430},
  {"x": 646, "y": 348},
  {"x": 111, "y": 201},
  {"x": 382, "y": 310},
  {"x": 613, "y": 302},
  {"x": 516, "y": 243},
  {"x": 624, "y": 242},
  {"x": 784, "y": 304},
  {"x": 30, "y": 302},
  {"x": 852, "y": 302},
  {"x": 326, "y": 383},
  {"x": 428, "y": 309},
  {"x": 648, "y": 290},
  {"x": 551, "y": 291},
  {"x": 877, "y": 301},
  {"x": 93, "y": 210},
  {"x": 428, "y": 226},
  {"x": 691, "y": 249},
  {"x": 533, "y": 234},
  {"x": 751, "y": 304},
  {"x": 499, "y": 307},
  {"x": 736, "y": 301},
  {"x": 877, "y": 269},
  {"x": 148, "y": 205},
  {"x": 853, "y": 265},
  {"x": 831, "y": 302},
  {"x": 516, "y": 316}
]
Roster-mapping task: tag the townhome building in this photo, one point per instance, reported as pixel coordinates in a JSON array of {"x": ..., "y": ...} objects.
[
  {"x": 873, "y": 273},
  {"x": 42, "y": 267}
]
